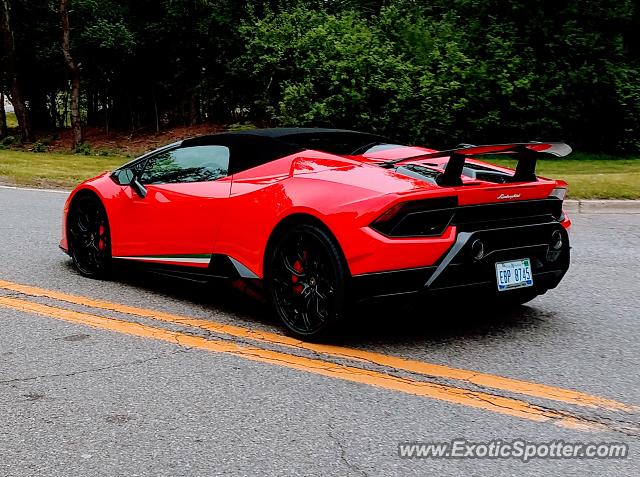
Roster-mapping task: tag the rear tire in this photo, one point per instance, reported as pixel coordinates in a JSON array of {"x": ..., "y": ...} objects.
[
  {"x": 306, "y": 278},
  {"x": 89, "y": 237}
]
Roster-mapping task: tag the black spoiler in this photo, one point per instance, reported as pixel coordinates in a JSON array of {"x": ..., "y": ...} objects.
[{"x": 526, "y": 152}]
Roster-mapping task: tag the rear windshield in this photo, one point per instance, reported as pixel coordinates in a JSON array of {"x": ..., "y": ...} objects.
[{"x": 341, "y": 143}]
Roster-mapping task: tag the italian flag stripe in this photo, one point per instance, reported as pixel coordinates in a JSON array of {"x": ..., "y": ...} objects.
[{"x": 194, "y": 258}]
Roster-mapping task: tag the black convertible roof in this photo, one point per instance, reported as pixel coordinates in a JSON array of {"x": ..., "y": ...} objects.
[
  {"x": 280, "y": 142},
  {"x": 254, "y": 147},
  {"x": 293, "y": 132}
]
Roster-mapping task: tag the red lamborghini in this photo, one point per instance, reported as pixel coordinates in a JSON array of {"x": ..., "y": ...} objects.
[{"x": 325, "y": 217}]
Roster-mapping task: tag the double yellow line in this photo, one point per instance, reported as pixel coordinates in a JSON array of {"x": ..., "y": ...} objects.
[{"x": 245, "y": 343}]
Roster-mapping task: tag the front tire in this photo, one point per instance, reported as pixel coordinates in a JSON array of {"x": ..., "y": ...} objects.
[
  {"x": 89, "y": 237},
  {"x": 306, "y": 279}
]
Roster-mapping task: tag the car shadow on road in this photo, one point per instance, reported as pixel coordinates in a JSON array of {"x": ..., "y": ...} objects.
[
  {"x": 440, "y": 324},
  {"x": 407, "y": 322}
]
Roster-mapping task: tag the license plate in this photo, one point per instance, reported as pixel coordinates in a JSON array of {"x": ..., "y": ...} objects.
[{"x": 514, "y": 274}]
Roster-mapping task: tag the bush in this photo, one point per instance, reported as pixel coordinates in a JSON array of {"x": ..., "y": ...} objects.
[
  {"x": 10, "y": 140},
  {"x": 83, "y": 148},
  {"x": 448, "y": 72},
  {"x": 39, "y": 146},
  {"x": 241, "y": 127}
]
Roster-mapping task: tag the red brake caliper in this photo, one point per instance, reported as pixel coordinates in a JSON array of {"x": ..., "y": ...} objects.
[
  {"x": 101, "y": 243},
  {"x": 297, "y": 266}
]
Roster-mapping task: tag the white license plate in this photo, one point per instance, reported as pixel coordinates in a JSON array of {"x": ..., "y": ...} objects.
[{"x": 514, "y": 274}]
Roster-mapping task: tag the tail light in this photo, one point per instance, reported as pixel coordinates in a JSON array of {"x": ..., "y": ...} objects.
[
  {"x": 559, "y": 193},
  {"x": 425, "y": 218}
]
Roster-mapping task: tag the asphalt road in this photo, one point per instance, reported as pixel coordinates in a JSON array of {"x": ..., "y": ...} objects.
[{"x": 91, "y": 388}]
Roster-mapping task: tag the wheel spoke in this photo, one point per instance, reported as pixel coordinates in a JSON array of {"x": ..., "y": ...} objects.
[
  {"x": 305, "y": 319},
  {"x": 303, "y": 278},
  {"x": 292, "y": 270},
  {"x": 88, "y": 237}
]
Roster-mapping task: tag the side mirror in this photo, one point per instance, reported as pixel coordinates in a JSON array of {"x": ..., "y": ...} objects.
[
  {"x": 138, "y": 188},
  {"x": 126, "y": 177},
  {"x": 123, "y": 177}
]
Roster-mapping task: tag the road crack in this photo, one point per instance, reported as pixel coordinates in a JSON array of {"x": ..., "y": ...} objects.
[
  {"x": 96, "y": 370},
  {"x": 343, "y": 456}
]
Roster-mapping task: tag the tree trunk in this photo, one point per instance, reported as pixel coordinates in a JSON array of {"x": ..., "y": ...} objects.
[
  {"x": 74, "y": 71},
  {"x": 17, "y": 98},
  {"x": 155, "y": 108},
  {"x": 91, "y": 107},
  {"x": 65, "y": 111},
  {"x": 39, "y": 110},
  {"x": 193, "y": 110},
  {"x": 3, "y": 117},
  {"x": 55, "y": 115},
  {"x": 106, "y": 110}
]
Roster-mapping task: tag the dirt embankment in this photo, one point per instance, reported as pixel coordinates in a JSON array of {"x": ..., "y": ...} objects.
[{"x": 127, "y": 143}]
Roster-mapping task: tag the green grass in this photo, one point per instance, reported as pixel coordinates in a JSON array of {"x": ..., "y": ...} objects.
[
  {"x": 589, "y": 176},
  {"x": 12, "y": 121},
  {"x": 53, "y": 170}
]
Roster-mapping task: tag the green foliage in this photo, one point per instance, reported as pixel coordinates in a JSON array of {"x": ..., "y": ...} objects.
[
  {"x": 83, "y": 148},
  {"x": 39, "y": 146},
  {"x": 241, "y": 127},
  {"x": 451, "y": 71},
  {"x": 437, "y": 72},
  {"x": 9, "y": 140},
  {"x": 105, "y": 152}
]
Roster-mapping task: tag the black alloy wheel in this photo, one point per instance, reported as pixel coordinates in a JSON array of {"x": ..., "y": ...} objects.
[
  {"x": 306, "y": 280},
  {"x": 88, "y": 237}
]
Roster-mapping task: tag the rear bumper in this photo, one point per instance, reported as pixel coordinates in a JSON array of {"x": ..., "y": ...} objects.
[{"x": 458, "y": 270}]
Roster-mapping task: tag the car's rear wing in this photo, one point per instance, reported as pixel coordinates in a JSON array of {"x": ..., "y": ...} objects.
[{"x": 527, "y": 154}]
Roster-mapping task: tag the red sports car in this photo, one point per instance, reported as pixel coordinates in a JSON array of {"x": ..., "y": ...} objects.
[{"x": 325, "y": 217}]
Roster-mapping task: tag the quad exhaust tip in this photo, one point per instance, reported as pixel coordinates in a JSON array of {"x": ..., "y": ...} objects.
[
  {"x": 556, "y": 240},
  {"x": 477, "y": 249}
]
